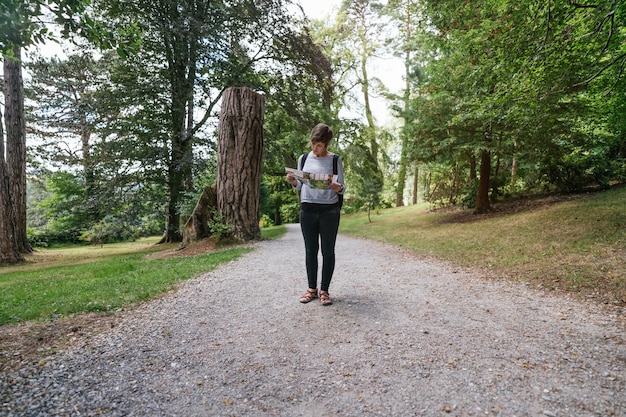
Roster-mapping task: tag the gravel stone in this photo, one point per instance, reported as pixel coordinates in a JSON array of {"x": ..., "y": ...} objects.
[{"x": 405, "y": 336}]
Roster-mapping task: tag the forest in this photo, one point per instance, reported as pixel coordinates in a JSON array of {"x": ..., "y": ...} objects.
[{"x": 116, "y": 138}]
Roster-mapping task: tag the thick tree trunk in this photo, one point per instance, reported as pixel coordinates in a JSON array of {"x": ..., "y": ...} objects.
[
  {"x": 482, "y": 202},
  {"x": 8, "y": 247},
  {"x": 197, "y": 226},
  {"x": 239, "y": 161},
  {"x": 16, "y": 147}
]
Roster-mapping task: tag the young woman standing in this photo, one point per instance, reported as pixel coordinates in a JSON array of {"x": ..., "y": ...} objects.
[{"x": 319, "y": 213}]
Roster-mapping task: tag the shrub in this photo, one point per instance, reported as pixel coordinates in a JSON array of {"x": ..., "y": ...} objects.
[
  {"x": 111, "y": 229},
  {"x": 266, "y": 221},
  {"x": 218, "y": 228}
]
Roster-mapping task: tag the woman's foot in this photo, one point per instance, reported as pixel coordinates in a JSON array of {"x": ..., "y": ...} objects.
[
  {"x": 325, "y": 298},
  {"x": 310, "y": 294}
]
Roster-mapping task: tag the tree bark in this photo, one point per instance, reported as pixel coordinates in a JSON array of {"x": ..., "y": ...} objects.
[
  {"x": 16, "y": 147},
  {"x": 8, "y": 247},
  {"x": 239, "y": 161},
  {"x": 482, "y": 201},
  {"x": 415, "y": 182},
  {"x": 197, "y": 226}
]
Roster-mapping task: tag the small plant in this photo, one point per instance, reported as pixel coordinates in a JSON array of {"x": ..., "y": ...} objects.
[
  {"x": 217, "y": 227},
  {"x": 266, "y": 221}
]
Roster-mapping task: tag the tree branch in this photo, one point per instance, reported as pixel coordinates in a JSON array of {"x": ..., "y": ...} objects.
[
  {"x": 597, "y": 74},
  {"x": 619, "y": 75},
  {"x": 582, "y": 6}
]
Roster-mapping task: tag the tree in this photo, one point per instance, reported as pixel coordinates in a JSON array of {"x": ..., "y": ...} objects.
[
  {"x": 16, "y": 147},
  {"x": 507, "y": 85},
  {"x": 9, "y": 252},
  {"x": 240, "y": 150},
  {"x": 300, "y": 94},
  {"x": 362, "y": 31},
  {"x": 67, "y": 108},
  {"x": 193, "y": 50},
  {"x": 21, "y": 25},
  {"x": 408, "y": 18}
]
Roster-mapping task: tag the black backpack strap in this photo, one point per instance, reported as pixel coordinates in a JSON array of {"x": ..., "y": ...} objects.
[
  {"x": 340, "y": 196},
  {"x": 303, "y": 160}
]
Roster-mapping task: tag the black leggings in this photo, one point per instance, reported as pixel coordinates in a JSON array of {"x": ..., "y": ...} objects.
[{"x": 319, "y": 222}]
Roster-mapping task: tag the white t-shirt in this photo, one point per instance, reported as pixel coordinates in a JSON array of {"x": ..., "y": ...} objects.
[{"x": 320, "y": 165}]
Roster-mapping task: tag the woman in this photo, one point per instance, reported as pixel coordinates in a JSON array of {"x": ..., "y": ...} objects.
[{"x": 319, "y": 212}]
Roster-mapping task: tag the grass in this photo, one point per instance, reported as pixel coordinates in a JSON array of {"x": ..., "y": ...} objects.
[
  {"x": 576, "y": 245},
  {"x": 67, "y": 281}
]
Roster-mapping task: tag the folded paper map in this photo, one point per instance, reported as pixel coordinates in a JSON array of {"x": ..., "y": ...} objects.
[{"x": 319, "y": 181}]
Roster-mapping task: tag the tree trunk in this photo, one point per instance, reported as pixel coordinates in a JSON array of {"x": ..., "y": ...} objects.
[
  {"x": 239, "y": 161},
  {"x": 494, "y": 184},
  {"x": 514, "y": 165},
  {"x": 179, "y": 178},
  {"x": 402, "y": 171},
  {"x": 16, "y": 147},
  {"x": 482, "y": 201},
  {"x": 406, "y": 98},
  {"x": 197, "y": 226},
  {"x": 416, "y": 175},
  {"x": 472, "y": 168},
  {"x": 8, "y": 247}
]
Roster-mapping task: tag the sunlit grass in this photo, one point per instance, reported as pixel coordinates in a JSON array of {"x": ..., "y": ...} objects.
[
  {"x": 578, "y": 245},
  {"x": 81, "y": 279}
]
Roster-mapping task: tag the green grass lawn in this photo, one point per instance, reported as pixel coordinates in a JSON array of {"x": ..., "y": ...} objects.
[
  {"x": 576, "y": 244},
  {"x": 72, "y": 280}
]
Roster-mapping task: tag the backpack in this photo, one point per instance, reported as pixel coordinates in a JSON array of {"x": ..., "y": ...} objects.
[{"x": 335, "y": 159}]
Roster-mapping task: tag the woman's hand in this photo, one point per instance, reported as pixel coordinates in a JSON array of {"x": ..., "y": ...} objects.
[
  {"x": 336, "y": 187},
  {"x": 291, "y": 180}
]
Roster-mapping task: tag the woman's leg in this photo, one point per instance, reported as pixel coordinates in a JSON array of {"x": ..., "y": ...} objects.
[
  {"x": 309, "y": 224},
  {"x": 328, "y": 227}
]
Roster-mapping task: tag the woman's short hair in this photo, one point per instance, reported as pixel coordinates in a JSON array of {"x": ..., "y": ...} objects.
[{"x": 321, "y": 133}]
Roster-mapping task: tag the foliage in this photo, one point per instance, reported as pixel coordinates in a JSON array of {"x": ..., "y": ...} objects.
[
  {"x": 538, "y": 86},
  {"x": 367, "y": 179},
  {"x": 470, "y": 194},
  {"x": 64, "y": 206},
  {"x": 113, "y": 229},
  {"x": 29, "y": 22},
  {"x": 218, "y": 228},
  {"x": 519, "y": 88},
  {"x": 266, "y": 221},
  {"x": 290, "y": 213},
  {"x": 46, "y": 237}
]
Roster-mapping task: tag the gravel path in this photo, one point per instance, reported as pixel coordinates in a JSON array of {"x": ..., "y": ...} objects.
[{"x": 405, "y": 337}]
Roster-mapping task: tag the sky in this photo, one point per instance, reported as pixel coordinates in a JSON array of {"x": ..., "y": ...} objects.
[{"x": 320, "y": 9}]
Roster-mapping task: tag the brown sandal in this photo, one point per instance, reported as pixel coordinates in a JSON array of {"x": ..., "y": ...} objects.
[
  {"x": 310, "y": 294},
  {"x": 325, "y": 298}
]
